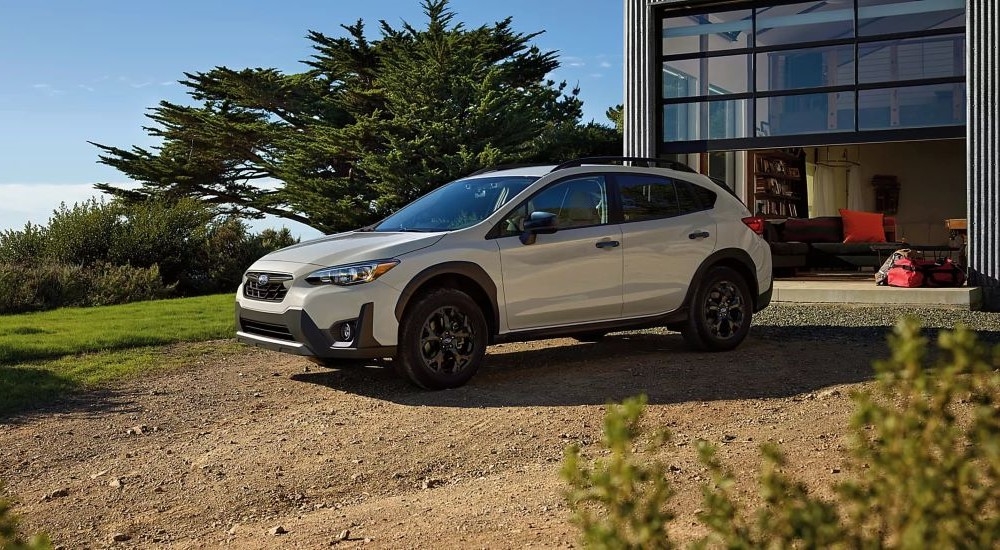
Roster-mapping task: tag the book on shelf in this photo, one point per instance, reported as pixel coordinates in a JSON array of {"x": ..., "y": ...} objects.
[{"x": 769, "y": 165}]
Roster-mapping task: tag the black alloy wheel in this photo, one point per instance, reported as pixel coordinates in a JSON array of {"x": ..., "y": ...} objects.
[
  {"x": 443, "y": 340},
  {"x": 720, "y": 313}
]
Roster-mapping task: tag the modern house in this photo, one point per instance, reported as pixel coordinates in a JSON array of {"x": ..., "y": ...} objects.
[{"x": 874, "y": 105}]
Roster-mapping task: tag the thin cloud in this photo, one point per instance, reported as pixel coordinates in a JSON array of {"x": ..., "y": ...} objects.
[
  {"x": 85, "y": 87},
  {"x": 132, "y": 83},
  {"x": 605, "y": 65},
  {"x": 48, "y": 90},
  {"x": 35, "y": 202}
]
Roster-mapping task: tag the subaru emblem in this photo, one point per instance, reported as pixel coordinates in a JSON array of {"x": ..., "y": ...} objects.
[{"x": 263, "y": 279}]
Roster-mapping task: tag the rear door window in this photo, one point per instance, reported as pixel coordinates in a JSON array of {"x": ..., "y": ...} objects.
[{"x": 647, "y": 197}]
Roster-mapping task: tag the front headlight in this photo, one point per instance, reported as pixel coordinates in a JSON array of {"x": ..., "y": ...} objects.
[{"x": 351, "y": 274}]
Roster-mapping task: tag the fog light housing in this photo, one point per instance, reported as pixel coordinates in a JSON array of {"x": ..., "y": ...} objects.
[{"x": 345, "y": 331}]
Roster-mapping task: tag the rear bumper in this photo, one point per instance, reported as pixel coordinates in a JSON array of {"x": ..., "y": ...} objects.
[{"x": 296, "y": 333}]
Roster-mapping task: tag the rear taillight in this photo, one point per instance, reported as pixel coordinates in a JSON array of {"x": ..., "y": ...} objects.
[{"x": 755, "y": 223}]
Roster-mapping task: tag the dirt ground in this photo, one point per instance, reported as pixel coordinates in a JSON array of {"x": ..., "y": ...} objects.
[{"x": 226, "y": 452}]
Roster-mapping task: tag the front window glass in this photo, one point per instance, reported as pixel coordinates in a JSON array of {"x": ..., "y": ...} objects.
[
  {"x": 577, "y": 202},
  {"x": 456, "y": 205}
]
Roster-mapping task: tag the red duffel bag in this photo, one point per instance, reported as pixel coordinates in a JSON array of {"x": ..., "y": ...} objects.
[
  {"x": 907, "y": 273},
  {"x": 944, "y": 273}
]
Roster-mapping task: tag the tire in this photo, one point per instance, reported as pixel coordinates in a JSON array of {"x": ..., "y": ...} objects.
[
  {"x": 589, "y": 337},
  {"x": 720, "y": 312},
  {"x": 434, "y": 355}
]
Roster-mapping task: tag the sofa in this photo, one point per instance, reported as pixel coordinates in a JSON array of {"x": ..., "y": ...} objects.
[{"x": 822, "y": 242}]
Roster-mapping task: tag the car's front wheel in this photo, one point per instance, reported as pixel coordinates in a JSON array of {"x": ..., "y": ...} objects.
[
  {"x": 442, "y": 340},
  {"x": 720, "y": 311}
]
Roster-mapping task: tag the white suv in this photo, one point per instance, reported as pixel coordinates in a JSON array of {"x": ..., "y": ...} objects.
[{"x": 580, "y": 249}]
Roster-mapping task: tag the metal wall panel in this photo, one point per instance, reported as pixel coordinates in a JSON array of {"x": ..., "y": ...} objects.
[
  {"x": 640, "y": 105},
  {"x": 982, "y": 64}
]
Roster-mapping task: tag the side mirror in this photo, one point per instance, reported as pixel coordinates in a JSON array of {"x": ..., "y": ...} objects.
[{"x": 538, "y": 222}]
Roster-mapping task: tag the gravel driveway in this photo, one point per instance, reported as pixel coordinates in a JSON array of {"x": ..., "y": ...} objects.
[{"x": 261, "y": 450}]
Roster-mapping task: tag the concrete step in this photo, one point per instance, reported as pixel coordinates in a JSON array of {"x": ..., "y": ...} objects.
[{"x": 827, "y": 291}]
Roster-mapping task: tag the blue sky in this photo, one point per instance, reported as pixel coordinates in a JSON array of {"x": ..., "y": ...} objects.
[{"x": 73, "y": 71}]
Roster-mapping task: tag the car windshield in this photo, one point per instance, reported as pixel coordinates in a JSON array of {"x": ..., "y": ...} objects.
[{"x": 456, "y": 205}]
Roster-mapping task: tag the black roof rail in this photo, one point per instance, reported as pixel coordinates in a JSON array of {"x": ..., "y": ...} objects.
[
  {"x": 503, "y": 167},
  {"x": 650, "y": 162}
]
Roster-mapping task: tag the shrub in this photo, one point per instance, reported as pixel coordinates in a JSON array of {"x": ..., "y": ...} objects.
[
  {"x": 82, "y": 234},
  {"x": 270, "y": 240},
  {"x": 633, "y": 493},
  {"x": 24, "y": 246},
  {"x": 25, "y": 288},
  {"x": 118, "y": 284},
  {"x": 9, "y": 538},
  {"x": 171, "y": 236},
  {"x": 924, "y": 463},
  {"x": 102, "y": 253},
  {"x": 39, "y": 287},
  {"x": 229, "y": 251}
]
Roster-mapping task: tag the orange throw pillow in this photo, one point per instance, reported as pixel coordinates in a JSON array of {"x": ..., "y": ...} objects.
[{"x": 862, "y": 227}]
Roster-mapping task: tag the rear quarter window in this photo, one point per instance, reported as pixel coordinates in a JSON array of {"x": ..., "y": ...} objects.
[{"x": 695, "y": 198}]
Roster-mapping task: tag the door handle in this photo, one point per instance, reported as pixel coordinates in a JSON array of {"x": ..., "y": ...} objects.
[
  {"x": 698, "y": 235},
  {"x": 607, "y": 244}
]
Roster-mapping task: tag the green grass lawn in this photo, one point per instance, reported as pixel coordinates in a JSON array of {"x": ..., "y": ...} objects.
[{"x": 44, "y": 355}]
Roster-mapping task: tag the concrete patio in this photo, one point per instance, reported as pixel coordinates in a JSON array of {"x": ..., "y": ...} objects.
[{"x": 860, "y": 289}]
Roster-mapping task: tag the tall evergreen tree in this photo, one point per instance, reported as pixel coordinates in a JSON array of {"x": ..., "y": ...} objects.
[{"x": 370, "y": 125}]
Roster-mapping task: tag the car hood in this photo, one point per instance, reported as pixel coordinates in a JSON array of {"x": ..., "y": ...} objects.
[{"x": 355, "y": 246}]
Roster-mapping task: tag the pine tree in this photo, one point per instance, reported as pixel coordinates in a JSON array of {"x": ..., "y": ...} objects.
[{"x": 370, "y": 125}]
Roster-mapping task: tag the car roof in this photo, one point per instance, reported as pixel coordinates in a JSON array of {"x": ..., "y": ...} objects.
[
  {"x": 535, "y": 170},
  {"x": 665, "y": 167}
]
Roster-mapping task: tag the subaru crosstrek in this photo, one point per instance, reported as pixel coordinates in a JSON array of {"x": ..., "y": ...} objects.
[{"x": 580, "y": 249}]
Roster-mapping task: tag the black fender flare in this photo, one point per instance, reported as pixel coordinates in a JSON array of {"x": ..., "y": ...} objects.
[
  {"x": 468, "y": 270},
  {"x": 727, "y": 257}
]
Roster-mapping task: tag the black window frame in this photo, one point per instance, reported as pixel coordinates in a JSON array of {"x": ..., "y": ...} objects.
[
  {"x": 618, "y": 209},
  {"x": 694, "y": 8}
]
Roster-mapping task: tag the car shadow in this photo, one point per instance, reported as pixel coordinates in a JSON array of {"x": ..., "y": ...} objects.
[{"x": 774, "y": 362}]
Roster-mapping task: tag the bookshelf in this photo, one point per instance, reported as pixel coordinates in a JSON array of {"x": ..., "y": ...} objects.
[{"x": 779, "y": 183}]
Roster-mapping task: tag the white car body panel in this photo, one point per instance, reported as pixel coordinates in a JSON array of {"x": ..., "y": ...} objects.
[
  {"x": 661, "y": 259},
  {"x": 563, "y": 278},
  {"x": 560, "y": 281}
]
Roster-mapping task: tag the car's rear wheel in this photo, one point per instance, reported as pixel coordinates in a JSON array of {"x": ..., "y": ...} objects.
[
  {"x": 442, "y": 340},
  {"x": 720, "y": 311}
]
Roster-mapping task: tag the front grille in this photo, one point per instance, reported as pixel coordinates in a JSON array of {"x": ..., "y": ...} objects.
[
  {"x": 273, "y": 290},
  {"x": 270, "y": 330}
]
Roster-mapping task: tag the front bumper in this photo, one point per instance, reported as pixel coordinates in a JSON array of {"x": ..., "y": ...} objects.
[{"x": 295, "y": 332}]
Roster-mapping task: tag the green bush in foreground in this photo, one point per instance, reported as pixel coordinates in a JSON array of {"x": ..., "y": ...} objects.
[
  {"x": 633, "y": 494},
  {"x": 924, "y": 465},
  {"x": 9, "y": 538}
]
